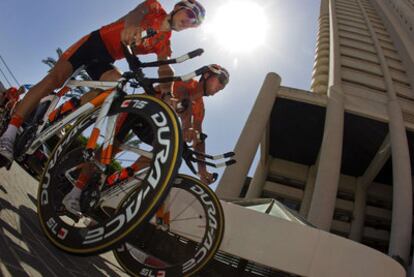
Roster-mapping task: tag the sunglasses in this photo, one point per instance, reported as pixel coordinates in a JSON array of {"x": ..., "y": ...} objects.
[
  {"x": 192, "y": 17},
  {"x": 223, "y": 79}
]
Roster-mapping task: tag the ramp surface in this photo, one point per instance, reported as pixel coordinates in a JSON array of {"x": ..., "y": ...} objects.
[{"x": 24, "y": 250}]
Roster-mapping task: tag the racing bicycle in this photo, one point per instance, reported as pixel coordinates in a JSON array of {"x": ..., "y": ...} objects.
[{"x": 90, "y": 141}]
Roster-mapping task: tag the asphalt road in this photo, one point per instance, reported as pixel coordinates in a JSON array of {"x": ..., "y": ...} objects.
[{"x": 24, "y": 250}]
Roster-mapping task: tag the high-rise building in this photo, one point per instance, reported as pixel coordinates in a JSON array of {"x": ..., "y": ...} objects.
[{"x": 342, "y": 154}]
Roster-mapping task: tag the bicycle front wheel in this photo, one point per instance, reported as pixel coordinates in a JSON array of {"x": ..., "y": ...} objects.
[
  {"x": 152, "y": 133},
  {"x": 180, "y": 240}
]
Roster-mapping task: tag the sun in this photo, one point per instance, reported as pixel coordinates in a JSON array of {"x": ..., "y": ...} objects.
[{"x": 239, "y": 26}]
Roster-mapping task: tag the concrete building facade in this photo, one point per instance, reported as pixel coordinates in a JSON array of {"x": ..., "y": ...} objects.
[{"x": 342, "y": 153}]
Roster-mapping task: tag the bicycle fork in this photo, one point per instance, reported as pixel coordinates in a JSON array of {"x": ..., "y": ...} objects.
[
  {"x": 105, "y": 99},
  {"x": 97, "y": 129}
]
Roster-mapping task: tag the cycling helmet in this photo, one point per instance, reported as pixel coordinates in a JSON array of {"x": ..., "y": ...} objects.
[
  {"x": 223, "y": 74},
  {"x": 215, "y": 69},
  {"x": 194, "y": 6}
]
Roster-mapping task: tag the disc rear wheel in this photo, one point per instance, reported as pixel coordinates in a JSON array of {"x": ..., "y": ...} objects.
[{"x": 181, "y": 238}]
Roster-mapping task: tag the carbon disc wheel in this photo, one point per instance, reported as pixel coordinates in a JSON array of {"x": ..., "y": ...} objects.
[{"x": 181, "y": 239}]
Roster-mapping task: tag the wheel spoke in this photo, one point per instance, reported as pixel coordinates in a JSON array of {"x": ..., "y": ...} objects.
[
  {"x": 188, "y": 218},
  {"x": 188, "y": 231}
]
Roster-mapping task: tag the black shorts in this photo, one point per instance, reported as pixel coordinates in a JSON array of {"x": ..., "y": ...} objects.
[{"x": 93, "y": 55}]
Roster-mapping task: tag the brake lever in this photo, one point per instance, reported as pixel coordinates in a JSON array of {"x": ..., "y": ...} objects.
[{"x": 187, "y": 156}]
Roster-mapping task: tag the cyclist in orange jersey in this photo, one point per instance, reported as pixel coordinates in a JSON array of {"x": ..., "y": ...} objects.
[
  {"x": 98, "y": 51},
  {"x": 187, "y": 100},
  {"x": 11, "y": 96},
  {"x": 192, "y": 117}
]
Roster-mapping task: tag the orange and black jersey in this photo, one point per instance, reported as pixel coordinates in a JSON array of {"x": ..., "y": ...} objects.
[
  {"x": 98, "y": 50},
  {"x": 110, "y": 35},
  {"x": 153, "y": 18}
]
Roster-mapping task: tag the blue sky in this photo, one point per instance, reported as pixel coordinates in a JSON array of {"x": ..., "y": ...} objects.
[{"x": 32, "y": 30}]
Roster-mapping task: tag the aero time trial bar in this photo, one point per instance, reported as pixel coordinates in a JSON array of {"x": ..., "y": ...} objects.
[
  {"x": 184, "y": 78},
  {"x": 136, "y": 65},
  {"x": 180, "y": 59},
  {"x": 132, "y": 59}
]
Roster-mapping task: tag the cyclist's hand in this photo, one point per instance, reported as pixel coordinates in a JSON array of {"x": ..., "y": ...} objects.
[
  {"x": 131, "y": 35},
  {"x": 207, "y": 177},
  {"x": 187, "y": 136},
  {"x": 195, "y": 136},
  {"x": 191, "y": 136},
  {"x": 172, "y": 101}
]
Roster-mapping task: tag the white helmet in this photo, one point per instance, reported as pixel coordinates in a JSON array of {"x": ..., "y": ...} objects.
[
  {"x": 223, "y": 74},
  {"x": 197, "y": 9}
]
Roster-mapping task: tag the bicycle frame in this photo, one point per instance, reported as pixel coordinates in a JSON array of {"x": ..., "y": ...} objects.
[{"x": 104, "y": 99}]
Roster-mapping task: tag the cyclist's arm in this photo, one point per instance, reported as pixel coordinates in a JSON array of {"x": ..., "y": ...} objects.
[
  {"x": 134, "y": 17},
  {"x": 205, "y": 176},
  {"x": 132, "y": 31},
  {"x": 199, "y": 141},
  {"x": 197, "y": 126},
  {"x": 200, "y": 146},
  {"x": 198, "y": 117},
  {"x": 165, "y": 71},
  {"x": 186, "y": 125}
]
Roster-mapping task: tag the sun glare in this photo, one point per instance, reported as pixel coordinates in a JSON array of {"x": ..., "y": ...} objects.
[{"x": 239, "y": 26}]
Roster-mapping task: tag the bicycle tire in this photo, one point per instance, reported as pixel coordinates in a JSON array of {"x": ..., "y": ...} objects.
[
  {"x": 175, "y": 252},
  {"x": 140, "y": 204}
]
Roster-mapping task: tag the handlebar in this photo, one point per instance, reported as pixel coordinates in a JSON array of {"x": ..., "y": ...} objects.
[
  {"x": 136, "y": 66},
  {"x": 181, "y": 59},
  {"x": 190, "y": 157},
  {"x": 184, "y": 78}
]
